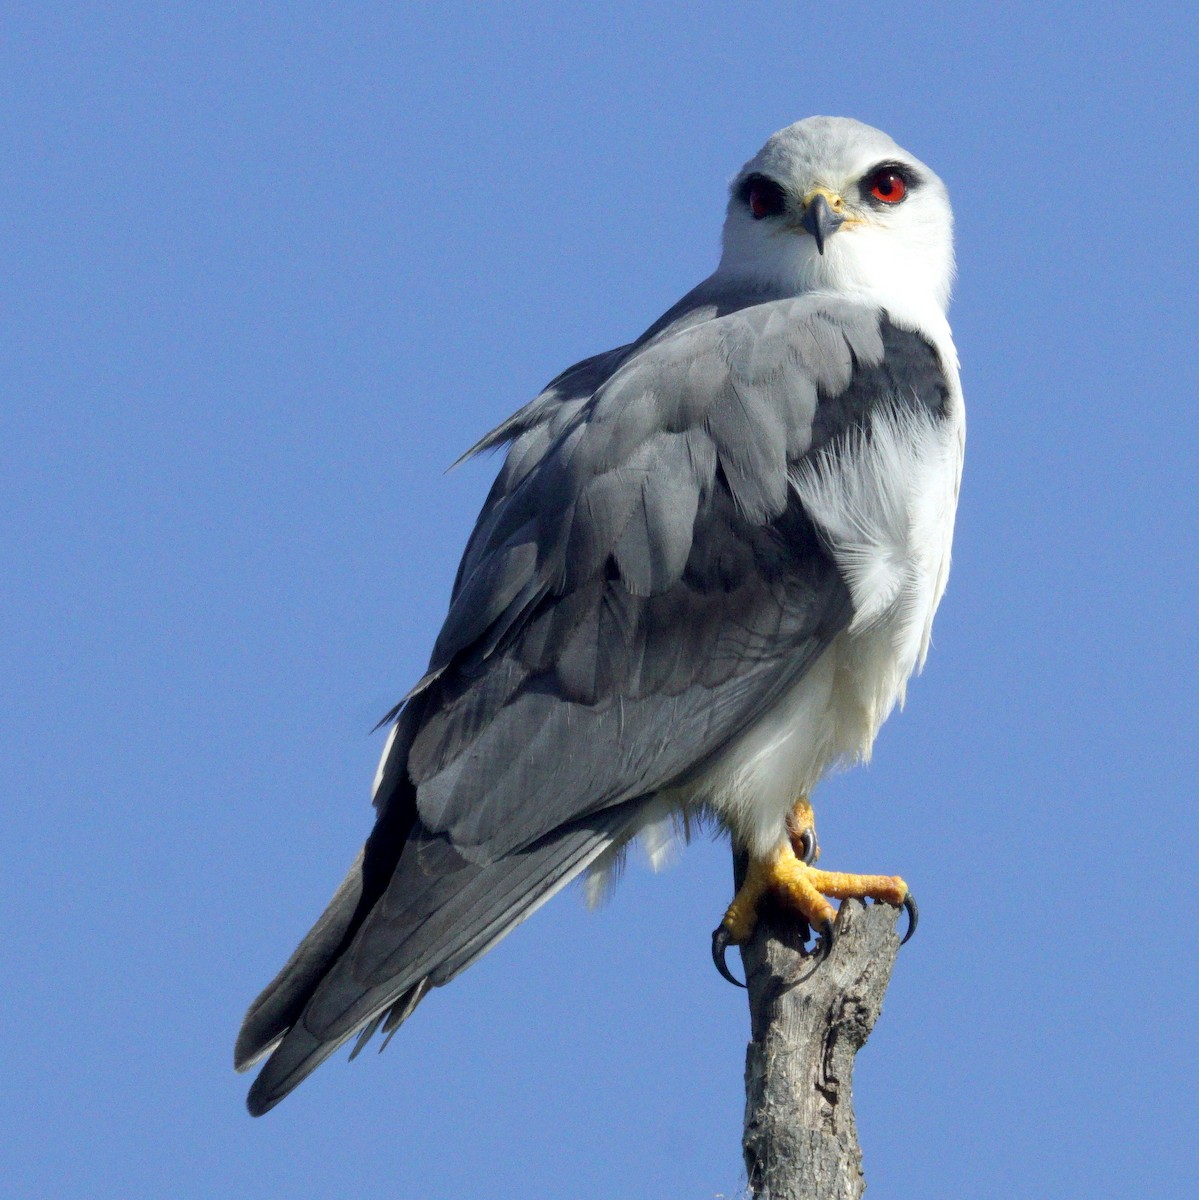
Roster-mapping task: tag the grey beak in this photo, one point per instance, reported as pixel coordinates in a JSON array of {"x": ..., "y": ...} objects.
[{"x": 820, "y": 220}]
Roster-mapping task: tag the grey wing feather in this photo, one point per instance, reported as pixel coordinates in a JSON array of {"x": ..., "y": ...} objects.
[
  {"x": 667, "y": 493},
  {"x": 641, "y": 586}
]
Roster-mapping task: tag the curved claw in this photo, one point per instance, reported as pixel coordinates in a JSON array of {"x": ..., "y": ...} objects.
[
  {"x": 807, "y": 841},
  {"x": 824, "y": 947},
  {"x": 721, "y": 941},
  {"x": 913, "y": 912}
]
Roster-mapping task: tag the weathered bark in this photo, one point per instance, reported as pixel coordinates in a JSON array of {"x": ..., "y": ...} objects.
[{"x": 808, "y": 1022}]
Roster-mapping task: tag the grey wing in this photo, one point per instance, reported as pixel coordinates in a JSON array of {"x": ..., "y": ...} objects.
[
  {"x": 642, "y": 585},
  {"x": 648, "y": 582}
]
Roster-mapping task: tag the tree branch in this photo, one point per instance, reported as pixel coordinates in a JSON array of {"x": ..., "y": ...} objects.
[{"x": 808, "y": 1022}]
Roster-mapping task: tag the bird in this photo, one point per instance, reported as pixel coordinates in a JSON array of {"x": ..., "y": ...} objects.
[{"x": 704, "y": 575}]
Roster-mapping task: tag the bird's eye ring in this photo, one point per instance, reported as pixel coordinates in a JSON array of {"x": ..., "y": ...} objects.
[{"x": 887, "y": 184}]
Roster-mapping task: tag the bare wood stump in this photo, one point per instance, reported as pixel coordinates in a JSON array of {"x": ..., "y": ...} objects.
[{"x": 808, "y": 1021}]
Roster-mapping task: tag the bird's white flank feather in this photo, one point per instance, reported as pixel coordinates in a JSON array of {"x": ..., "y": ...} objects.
[{"x": 886, "y": 508}]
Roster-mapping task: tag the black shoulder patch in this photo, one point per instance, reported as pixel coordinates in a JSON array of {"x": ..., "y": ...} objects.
[{"x": 909, "y": 375}]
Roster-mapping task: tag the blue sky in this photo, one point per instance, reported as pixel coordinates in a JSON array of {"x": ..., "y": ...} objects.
[{"x": 265, "y": 270}]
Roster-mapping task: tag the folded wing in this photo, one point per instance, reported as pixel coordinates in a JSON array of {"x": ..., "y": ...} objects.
[{"x": 642, "y": 585}]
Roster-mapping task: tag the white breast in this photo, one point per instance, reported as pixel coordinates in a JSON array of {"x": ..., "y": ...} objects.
[{"x": 885, "y": 506}]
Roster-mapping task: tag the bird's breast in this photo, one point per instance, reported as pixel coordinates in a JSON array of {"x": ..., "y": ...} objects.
[{"x": 885, "y": 506}]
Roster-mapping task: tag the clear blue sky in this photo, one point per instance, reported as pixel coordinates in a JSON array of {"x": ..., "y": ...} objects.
[{"x": 266, "y": 269}]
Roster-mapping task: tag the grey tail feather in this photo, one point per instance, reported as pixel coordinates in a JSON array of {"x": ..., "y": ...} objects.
[
  {"x": 522, "y": 883},
  {"x": 391, "y": 1018},
  {"x": 282, "y": 1000},
  {"x": 266, "y": 1092}
]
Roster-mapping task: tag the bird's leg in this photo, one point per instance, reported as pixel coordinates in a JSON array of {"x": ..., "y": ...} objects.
[{"x": 794, "y": 882}]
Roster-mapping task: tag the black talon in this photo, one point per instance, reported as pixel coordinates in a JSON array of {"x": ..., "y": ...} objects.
[
  {"x": 913, "y": 916},
  {"x": 721, "y": 941},
  {"x": 807, "y": 840},
  {"x": 824, "y": 947}
]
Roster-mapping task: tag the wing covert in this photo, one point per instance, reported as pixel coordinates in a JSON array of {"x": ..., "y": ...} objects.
[{"x": 644, "y": 582}]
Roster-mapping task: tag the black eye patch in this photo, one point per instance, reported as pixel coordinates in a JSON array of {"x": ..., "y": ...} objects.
[{"x": 762, "y": 196}]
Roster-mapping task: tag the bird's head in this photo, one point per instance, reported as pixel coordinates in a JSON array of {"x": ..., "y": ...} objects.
[{"x": 830, "y": 204}]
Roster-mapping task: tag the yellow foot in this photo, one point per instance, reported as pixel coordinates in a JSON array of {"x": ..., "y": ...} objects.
[
  {"x": 801, "y": 828},
  {"x": 802, "y": 888}
]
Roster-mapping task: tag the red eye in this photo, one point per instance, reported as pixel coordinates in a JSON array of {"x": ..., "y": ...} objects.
[
  {"x": 888, "y": 186},
  {"x": 764, "y": 197}
]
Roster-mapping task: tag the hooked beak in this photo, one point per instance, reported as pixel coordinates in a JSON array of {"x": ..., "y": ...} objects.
[{"x": 819, "y": 219}]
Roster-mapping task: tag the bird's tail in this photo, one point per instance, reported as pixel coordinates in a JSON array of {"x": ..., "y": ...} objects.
[
  {"x": 280, "y": 1003},
  {"x": 438, "y": 915}
]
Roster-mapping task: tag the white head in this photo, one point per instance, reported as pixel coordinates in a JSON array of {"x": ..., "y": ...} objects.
[{"x": 830, "y": 204}]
